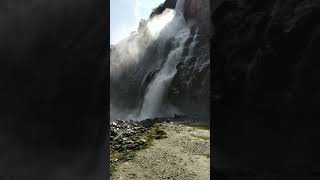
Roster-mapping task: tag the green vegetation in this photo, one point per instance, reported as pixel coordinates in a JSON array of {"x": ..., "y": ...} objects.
[{"x": 150, "y": 138}]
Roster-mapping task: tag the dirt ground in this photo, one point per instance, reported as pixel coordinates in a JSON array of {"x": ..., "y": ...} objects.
[{"x": 183, "y": 155}]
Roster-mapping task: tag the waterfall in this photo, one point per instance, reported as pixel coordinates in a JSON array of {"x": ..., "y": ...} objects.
[
  {"x": 153, "y": 105},
  {"x": 151, "y": 53}
]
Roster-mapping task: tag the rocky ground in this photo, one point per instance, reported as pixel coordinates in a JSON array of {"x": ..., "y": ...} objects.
[{"x": 159, "y": 149}]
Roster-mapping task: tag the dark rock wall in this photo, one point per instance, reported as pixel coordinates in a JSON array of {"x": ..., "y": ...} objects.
[
  {"x": 198, "y": 11},
  {"x": 190, "y": 89},
  {"x": 265, "y": 91}
]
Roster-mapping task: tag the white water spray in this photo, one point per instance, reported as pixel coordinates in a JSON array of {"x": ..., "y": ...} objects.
[
  {"x": 154, "y": 104},
  {"x": 157, "y": 23}
]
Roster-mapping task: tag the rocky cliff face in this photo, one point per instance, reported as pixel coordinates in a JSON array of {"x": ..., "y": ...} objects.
[
  {"x": 190, "y": 89},
  {"x": 265, "y": 91}
]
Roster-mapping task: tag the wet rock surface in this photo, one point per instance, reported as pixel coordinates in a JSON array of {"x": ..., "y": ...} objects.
[{"x": 190, "y": 88}]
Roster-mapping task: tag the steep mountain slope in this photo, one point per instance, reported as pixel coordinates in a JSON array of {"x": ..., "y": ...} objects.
[{"x": 138, "y": 61}]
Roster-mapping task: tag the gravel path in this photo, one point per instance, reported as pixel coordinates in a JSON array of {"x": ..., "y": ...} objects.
[{"x": 184, "y": 155}]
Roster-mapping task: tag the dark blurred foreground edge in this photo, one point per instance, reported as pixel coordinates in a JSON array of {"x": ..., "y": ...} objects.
[
  {"x": 265, "y": 94},
  {"x": 53, "y": 89}
]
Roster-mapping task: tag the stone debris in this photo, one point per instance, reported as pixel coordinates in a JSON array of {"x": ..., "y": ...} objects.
[
  {"x": 124, "y": 135},
  {"x": 128, "y": 135}
]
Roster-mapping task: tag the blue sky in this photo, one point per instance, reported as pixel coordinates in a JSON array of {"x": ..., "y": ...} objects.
[{"x": 126, "y": 14}]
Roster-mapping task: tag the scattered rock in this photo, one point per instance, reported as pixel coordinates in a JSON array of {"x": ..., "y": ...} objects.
[
  {"x": 123, "y": 135},
  {"x": 161, "y": 134},
  {"x": 128, "y": 135}
]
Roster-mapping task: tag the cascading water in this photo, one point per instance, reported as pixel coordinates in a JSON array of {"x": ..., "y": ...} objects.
[
  {"x": 144, "y": 64},
  {"x": 153, "y": 105}
]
